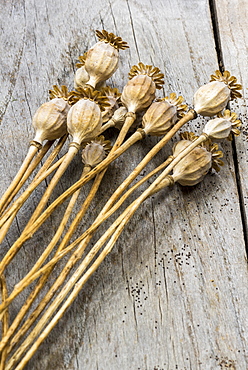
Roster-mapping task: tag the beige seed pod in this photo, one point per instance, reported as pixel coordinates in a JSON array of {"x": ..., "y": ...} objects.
[
  {"x": 222, "y": 126},
  {"x": 84, "y": 118},
  {"x": 213, "y": 97},
  {"x": 113, "y": 96},
  {"x": 140, "y": 90},
  {"x": 218, "y": 128},
  {"x": 103, "y": 58},
  {"x": 49, "y": 120},
  {"x": 95, "y": 151},
  {"x": 193, "y": 167},
  {"x": 81, "y": 77},
  {"x": 119, "y": 117},
  {"x": 159, "y": 118},
  {"x": 84, "y": 121},
  {"x": 138, "y": 93}
]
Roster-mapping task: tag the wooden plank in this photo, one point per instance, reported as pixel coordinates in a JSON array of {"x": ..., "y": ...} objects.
[
  {"x": 173, "y": 292},
  {"x": 233, "y": 25}
]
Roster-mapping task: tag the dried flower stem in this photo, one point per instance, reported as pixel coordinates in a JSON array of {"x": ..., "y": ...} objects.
[
  {"x": 35, "y": 163},
  {"x": 73, "y": 281},
  {"x": 111, "y": 157},
  {"x": 7, "y": 218},
  {"x": 5, "y": 320},
  {"x": 35, "y": 272},
  {"x": 72, "y": 151},
  {"x": 19, "y": 202},
  {"x": 190, "y": 115},
  {"x": 28, "y": 172},
  {"x": 126, "y": 215},
  {"x": 32, "y": 227},
  {"x": 115, "y": 228},
  {"x": 42, "y": 281},
  {"x": 106, "y": 126},
  {"x": 32, "y": 151}
]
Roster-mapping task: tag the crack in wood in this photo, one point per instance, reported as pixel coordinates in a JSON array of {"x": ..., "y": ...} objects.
[{"x": 218, "y": 47}]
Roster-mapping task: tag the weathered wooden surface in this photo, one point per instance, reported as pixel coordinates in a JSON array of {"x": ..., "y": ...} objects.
[{"x": 173, "y": 293}]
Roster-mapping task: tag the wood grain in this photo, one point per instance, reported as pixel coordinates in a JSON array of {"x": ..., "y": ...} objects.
[
  {"x": 173, "y": 293},
  {"x": 233, "y": 23}
]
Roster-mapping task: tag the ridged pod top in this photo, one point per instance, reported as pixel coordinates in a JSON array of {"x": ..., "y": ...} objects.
[{"x": 154, "y": 72}]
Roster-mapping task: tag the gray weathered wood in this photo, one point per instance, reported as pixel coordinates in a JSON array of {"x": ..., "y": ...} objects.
[
  {"x": 233, "y": 25},
  {"x": 173, "y": 293}
]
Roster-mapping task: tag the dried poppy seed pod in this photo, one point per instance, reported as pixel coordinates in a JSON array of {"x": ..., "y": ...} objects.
[
  {"x": 95, "y": 152},
  {"x": 193, "y": 167},
  {"x": 162, "y": 115},
  {"x": 113, "y": 96},
  {"x": 119, "y": 117},
  {"x": 213, "y": 97},
  {"x": 159, "y": 117},
  {"x": 138, "y": 93},
  {"x": 84, "y": 120},
  {"x": 221, "y": 127},
  {"x": 218, "y": 128},
  {"x": 49, "y": 120},
  {"x": 103, "y": 58},
  {"x": 140, "y": 90},
  {"x": 81, "y": 77}
]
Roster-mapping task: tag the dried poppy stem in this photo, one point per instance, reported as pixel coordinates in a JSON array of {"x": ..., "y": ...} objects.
[
  {"x": 111, "y": 157},
  {"x": 32, "y": 151},
  {"x": 123, "y": 219},
  {"x": 79, "y": 251},
  {"x": 5, "y": 320},
  {"x": 36, "y": 181},
  {"x": 37, "y": 160},
  {"x": 41, "y": 283},
  {"x": 35, "y": 272},
  {"x": 190, "y": 115},
  {"x": 28, "y": 172},
  {"x": 29, "y": 231},
  {"x": 69, "y": 285},
  {"x": 19, "y": 202},
  {"x": 72, "y": 151}
]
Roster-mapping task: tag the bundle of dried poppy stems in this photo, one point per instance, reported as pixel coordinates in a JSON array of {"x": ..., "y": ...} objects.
[{"x": 85, "y": 114}]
